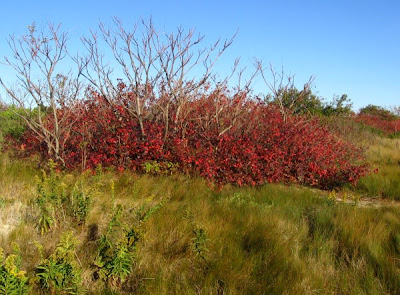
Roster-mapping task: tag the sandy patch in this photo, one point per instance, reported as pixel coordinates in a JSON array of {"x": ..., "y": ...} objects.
[{"x": 10, "y": 216}]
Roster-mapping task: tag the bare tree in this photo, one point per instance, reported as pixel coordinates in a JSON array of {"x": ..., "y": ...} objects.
[
  {"x": 396, "y": 110},
  {"x": 42, "y": 88},
  {"x": 282, "y": 87},
  {"x": 158, "y": 68},
  {"x": 229, "y": 103}
]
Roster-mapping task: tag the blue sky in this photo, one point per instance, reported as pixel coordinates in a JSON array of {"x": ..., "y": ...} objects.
[{"x": 350, "y": 47}]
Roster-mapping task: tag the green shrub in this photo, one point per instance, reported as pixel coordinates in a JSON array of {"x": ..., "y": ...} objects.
[
  {"x": 11, "y": 123},
  {"x": 378, "y": 111}
]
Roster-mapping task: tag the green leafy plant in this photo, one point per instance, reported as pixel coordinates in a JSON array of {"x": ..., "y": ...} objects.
[
  {"x": 80, "y": 202},
  {"x": 60, "y": 273},
  {"x": 2, "y": 202},
  {"x": 50, "y": 193},
  {"x": 199, "y": 242},
  {"x": 115, "y": 251},
  {"x": 146, "y": 210},
  {"x": 118, "y": 245},
  {"x": 13, "y": 280},
  {"x": 53, "y": 195},
  {"x": 46, "y": 218},
  {"x": 155, "y": 167}
]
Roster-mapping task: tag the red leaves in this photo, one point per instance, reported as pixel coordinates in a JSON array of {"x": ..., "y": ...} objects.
[
  {"x": 256, "y": 146},
  {"x": 388, "y": 126}
]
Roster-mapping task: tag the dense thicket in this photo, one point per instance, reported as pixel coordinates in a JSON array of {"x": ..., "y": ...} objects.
[
  {"x": 259, "y": 147},
  {"x": 169, "y": 109}
]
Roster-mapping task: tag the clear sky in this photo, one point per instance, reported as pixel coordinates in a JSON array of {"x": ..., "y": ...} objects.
[{"x": 351, "y": 47}]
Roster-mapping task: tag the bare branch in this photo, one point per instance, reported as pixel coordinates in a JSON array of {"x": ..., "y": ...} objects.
[{"x": 41, "y": 88}]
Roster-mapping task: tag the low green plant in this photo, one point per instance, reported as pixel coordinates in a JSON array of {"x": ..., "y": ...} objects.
[
  {"x": 199, "y": 242},
  {"x": 47, "y": 198},
  {"x": 60, "y": 273},
  {"x": 115, "y": 251},
  {"x": 118, "y": 245},
  {"x": 114, "y": 257},
  {"x": 240, "y": 200},
  {"x": 80, "y": 202},
  {"x": 156, "y": 168},
  {"x": 53, "y": 195},
  {"x": 13, "y": 280},
  {"x": 46, "y": 219},
  {"x": 146, "y": 209}
]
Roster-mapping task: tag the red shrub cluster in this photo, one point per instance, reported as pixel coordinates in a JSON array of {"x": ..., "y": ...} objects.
[
  {"x": 388, "y": 126},
  {"x": 227, "y": 139}
]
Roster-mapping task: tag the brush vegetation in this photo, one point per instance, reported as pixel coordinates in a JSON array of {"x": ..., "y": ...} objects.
[{"x": 123, "y": 233}]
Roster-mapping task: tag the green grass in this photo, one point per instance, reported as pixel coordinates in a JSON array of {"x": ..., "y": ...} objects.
[
  {"x": 383, "y": 154},
  {"x": 274, "y": 239}
]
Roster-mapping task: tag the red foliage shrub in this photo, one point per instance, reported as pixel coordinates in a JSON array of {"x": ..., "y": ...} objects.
[
  {"x": 265, "y": 148},
  {"x": 227, "y": 139},
  {"x": 388, "y": 126}
]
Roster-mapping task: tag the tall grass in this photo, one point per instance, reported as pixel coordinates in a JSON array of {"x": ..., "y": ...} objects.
[
  {"x": 384, "y": 158},
  {"x": 382, "y": 155}
]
